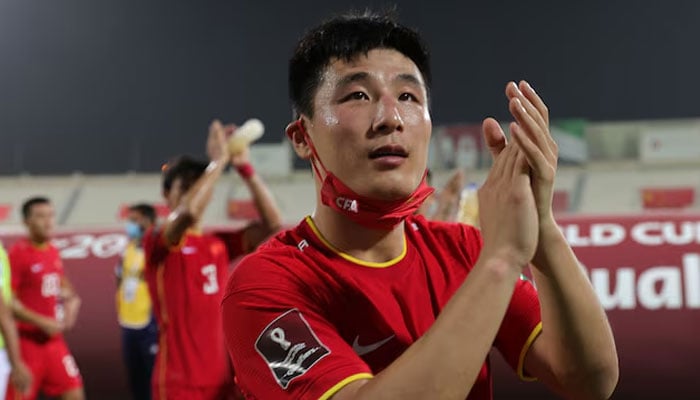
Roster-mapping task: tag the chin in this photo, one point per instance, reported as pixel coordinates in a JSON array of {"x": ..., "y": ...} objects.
[{"x": 392, "y": 188}]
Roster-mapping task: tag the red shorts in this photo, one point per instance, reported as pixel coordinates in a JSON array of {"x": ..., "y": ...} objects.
[{"x": 53, "y": 368}]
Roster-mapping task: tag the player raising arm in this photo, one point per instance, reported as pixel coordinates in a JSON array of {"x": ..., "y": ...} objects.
[{"x": 186, "y": 270}]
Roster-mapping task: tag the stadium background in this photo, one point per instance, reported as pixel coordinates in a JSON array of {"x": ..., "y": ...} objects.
[{"x": 94, "y": 97}]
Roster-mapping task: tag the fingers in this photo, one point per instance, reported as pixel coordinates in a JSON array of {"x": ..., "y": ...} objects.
[
  {"x": 535, "y": 158},
  {"x": 514, "y": 91},
  {"x": 538, "y": 103},
  {"x": 535, "y": 99},
  {"x": 494, "y": 136},
  {"x": 214, "y": 126},
  {"x": 527, "y": 123},
  {"x": 510, "y": 160},
  {"x": 522, "y": 165},
  {"x": 498, "y": 168},
  {"x": 529, "y": 116}
]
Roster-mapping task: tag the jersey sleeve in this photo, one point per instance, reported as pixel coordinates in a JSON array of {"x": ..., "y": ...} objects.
[
  {"x": 520, "y": 327},
  {"x": 154, "y": 247},
  {"x": 281, "y": 344}
]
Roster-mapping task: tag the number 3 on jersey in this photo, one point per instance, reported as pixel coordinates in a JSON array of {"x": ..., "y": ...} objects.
[{"x": 211, "y": 285}]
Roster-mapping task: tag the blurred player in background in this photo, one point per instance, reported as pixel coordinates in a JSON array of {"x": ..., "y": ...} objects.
[
  {"x": 186, "y": 270},
  {"x": 134, "y": 309},
  {"x": 46, "y": 305},
  {"x": 442, "y": 205},
  {"x": 12, "y": 368}
]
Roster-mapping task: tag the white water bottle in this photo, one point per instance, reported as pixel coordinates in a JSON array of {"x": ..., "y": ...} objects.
[
  {"x": 468, "y": 212},
  {"x": 247, "y": 133}
]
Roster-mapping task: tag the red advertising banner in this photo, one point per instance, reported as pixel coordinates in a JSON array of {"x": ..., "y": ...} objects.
[
  {"x": 644, "y": 268},
  {"x": 5, "y": 211},
  {"x": 668, "y": 197}
]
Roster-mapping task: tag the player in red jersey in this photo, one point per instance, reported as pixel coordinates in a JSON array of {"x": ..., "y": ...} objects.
[
  {"x": 45, "y": 305},
  {"x": 186, "y": 271},
  {"x": 365, "y": 300}
]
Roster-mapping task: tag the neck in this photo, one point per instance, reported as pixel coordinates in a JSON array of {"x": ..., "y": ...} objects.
[
  {"x": 38, "y": 241},
  {"x": 372, "y": 245},
  {"x": 195, "y": 228}
]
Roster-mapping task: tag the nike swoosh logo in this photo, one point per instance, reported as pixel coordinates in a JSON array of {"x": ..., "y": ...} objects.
[
  {"x": 362, "y": 350},
  {"x": 189, "y": 250}
]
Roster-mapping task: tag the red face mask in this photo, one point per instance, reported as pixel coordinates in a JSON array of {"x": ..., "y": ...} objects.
[{"x": 368, "y": 212}]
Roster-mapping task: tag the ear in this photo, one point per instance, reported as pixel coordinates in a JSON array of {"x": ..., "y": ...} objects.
[{"x": 295, "y": 133}]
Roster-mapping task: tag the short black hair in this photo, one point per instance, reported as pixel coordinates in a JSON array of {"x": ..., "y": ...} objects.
[
  {"x": 186, "y": 168},
  {"x": 144, "y": 209},
  {"x": 345, "y": 37},
  {"x": 31, "y": 202}
]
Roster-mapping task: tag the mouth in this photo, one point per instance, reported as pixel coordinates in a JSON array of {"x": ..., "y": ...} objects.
[{"x": 392, "y": 150}]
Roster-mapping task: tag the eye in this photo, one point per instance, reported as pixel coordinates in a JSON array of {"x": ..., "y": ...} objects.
[
  {"x": 356, "y": 96},
  {"x": 408, "y": 97}
]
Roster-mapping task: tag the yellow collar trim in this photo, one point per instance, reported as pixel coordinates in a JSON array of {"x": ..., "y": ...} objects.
[{"x": 353, "y": 259}]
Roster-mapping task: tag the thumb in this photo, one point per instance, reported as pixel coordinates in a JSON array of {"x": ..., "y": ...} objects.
[{"x": 494, "y": 136}]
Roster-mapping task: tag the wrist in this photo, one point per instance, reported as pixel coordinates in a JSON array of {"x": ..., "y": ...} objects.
[
  {"x": 245, "y": 170},
  {"x": 502, "y": 268},
  {"x": 549, "y": 233},
  {"x": 505, "y": 258},
  {"x": 13, "y": 360},
  {"x": 550, "y": 240},
  {"x": 219, "y": 162}
]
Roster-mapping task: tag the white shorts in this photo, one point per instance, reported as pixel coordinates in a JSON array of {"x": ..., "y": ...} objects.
[{"x": 5, "y": 370}]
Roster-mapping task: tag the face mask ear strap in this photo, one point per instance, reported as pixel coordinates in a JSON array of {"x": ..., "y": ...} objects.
[{"x": 314, "y": 155}]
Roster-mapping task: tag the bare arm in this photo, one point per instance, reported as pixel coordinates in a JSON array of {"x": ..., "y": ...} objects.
[
  {"x": 20, "y": 376},
  {"x": 575, "y": 354},
  {"x": 196, "y": 199},
  {"x": 440, "y": 364},
  {"x": 448, "y": 198},
  {"x": 9, "y": 333},
  {"x": 71, "y": 303},
  {"x": 270, "y": 215},
  {"x": 48, "y": 325}
]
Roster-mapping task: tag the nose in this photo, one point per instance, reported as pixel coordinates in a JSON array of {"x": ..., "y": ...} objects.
[{"x": 388, "y": 118}]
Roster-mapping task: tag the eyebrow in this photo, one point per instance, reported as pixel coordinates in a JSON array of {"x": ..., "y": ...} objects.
[
  {"x": 410, "y": 79},
  {"x": 363, "y": 76},
  {"x": 352, "y": 78}
]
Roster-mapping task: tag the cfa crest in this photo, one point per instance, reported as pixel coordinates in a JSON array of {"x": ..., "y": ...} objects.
[{"x": 347, "y": 204}]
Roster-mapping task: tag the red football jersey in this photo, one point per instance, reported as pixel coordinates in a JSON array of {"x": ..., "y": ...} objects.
[
  {"x": 302, "y": 319},
  {"x": 37, "y": 273},
  {"x": 186, "y": 285}
]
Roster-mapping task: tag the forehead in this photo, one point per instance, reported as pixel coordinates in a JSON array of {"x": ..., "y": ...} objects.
[
  {"x": 133, "y": 214},
  {"x": 41, "y": 208},
  {"x": 379, "y": 64}
]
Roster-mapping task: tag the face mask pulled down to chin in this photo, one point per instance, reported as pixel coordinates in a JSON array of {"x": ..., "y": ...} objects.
[{"x": 366, "y": 211}]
